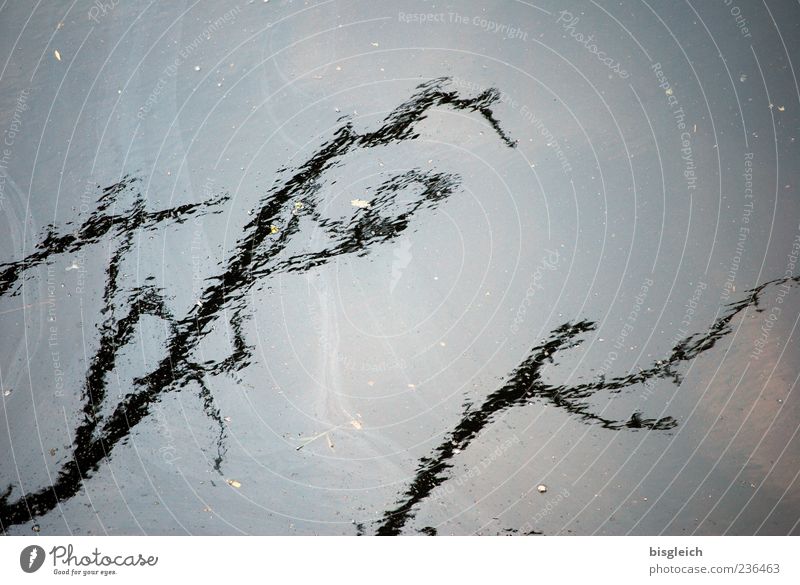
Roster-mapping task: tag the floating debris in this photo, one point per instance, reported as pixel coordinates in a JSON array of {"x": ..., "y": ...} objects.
[
  {"x": 298, "y": 205},
  {"x": 541, "y": 488},
  {"x": 273, "y": 229},
  {"x": 356, "y": 424},
  {"x": 234, "y": 483},
  {"x": 668, "y": 91},
  {"x": 326, "y": 434},
  {"x": 57, "y": 54},
  {"x": 35, "y": 528},
  {"x": 743, "y": 77},
  {"x": 781, "y": 108},
  {"x": 360, "y": 203},
  {"x": 7, "y": 392},
  {"x": 197, "y": 67}
]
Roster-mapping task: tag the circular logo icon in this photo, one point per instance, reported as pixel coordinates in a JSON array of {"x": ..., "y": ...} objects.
[{"x": 31, "y": 558}]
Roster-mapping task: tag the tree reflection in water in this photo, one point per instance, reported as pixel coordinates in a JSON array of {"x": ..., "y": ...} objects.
[{"x": 261, "y": 253}]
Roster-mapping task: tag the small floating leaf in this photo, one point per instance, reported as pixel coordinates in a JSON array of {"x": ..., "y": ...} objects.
[
  {"x": 57, "y": 54},
  {"x": 234, "y": 483}
]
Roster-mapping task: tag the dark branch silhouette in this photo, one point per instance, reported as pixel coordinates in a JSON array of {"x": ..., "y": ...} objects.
[
  {"x": 256, "y": 256},
  {"x": 525, "y": 386},
  {"x": 294, "y": 208}
]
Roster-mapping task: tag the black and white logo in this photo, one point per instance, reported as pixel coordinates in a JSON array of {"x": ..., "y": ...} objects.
[{"x": 31, "y": 558}]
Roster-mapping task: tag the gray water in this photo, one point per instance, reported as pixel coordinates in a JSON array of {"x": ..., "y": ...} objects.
[{"x": 354, "y": 268}]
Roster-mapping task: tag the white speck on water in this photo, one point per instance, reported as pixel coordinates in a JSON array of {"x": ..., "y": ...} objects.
[
  {"x": 541, "y": 488},
  {"x": 197, "y": 67}
]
